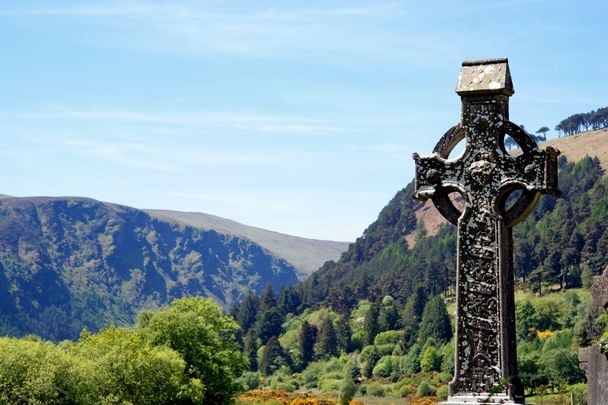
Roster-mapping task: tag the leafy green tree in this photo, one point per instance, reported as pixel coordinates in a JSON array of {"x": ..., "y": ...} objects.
[
  {"x": 306, "y": 341},
  {"x": 327, "y": 344},
  {"x": 198, "y": 330},
  {"x": 525, "y": 319},
  {"x": 31, "y": 372},
  {"x": 119, "y": 365},
  {"x": 561, "y": 365},
  {"x": 424, "y": 389},
  {"x": 430, "y": 359},
  {"x": 435, "y": 322}
]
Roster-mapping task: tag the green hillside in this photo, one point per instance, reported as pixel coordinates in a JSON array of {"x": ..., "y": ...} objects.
[{"x": 69, "y": 263}]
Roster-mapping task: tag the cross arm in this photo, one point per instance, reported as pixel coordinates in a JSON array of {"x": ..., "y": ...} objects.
[{"x": 435, "y": 174}]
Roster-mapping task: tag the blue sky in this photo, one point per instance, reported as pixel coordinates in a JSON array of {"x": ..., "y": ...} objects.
[{"x": 296, "y": 116}]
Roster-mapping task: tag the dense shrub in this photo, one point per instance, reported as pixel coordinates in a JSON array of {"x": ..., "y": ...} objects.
[{"x": 424, "y": 389}]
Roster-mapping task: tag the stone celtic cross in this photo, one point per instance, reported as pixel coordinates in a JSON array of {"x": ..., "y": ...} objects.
[{"x": 485, "y": 175}]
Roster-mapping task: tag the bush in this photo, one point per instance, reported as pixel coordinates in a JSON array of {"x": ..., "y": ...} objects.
[
  {"x": 309, "y": 378},
  {"x": 430, "y": 359},
  {"x": 383, "y": 367},
  {"x": 347, "y": 390},
  {"x": 391, "y": 337},
  {"x": 375, "y": 389},
  {"x": 330, "y": 384},
  {"x": 579, "y": 393},
  {"x": 411, "y": 361},
  {"x": 288, "y": 386},
  {"x": 424, "y": 389},
  {"x": 406, "y": 390},
  {"x": 385, "y": 349},
  {"x": 249, "y": 380},
  {"x": 442, "y": 392}
]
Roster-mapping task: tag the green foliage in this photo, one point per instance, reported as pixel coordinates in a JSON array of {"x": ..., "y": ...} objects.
[
  {"x": 82, "y": 263},
  {"x": 327, "y": 344},
  {"x": 307, "y": 339},
  {"x": 374, "y": 388},
  {"x": 31, "y": 372},
  {"x": 116, "y": 365},
  {"x": 273, "y": 357},
  {"x": 269, "y": 324},
  {"x": 425, "y": 389},
  {"x": 348, "y": 388},
  {"x": 384, "y": 367},
  {"x": 249, "y": 380},
  {"x": 198, "y": 330},
  {"x": 430, "y": 359},
  {"x": 390, "y": 337},
  {"x": 561, "y": 365},
  {"x": 435, "y": 322},
  {"x": 442, "y": 392},
  {"x": 447, "y": 357},
  {"x": 343, "y": 334},
  {"x": 411, "y": 363},
  {"x": 371, "y": 326}
]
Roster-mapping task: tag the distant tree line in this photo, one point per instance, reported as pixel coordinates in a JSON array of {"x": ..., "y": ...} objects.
[
  {"x": 572, "y": 125},
  {"x": 583, "y": 122}
]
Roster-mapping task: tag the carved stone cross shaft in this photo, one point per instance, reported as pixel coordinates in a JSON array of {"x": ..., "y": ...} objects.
[{"x": 485, "y": 175}]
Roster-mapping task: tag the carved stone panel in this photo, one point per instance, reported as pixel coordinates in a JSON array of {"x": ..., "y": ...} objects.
[{"x": 485, "y": 175}]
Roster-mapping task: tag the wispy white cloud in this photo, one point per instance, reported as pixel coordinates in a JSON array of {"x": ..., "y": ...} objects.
[
  {"x": 326, "y": 33},
  {"x": 224, "y": 122}
]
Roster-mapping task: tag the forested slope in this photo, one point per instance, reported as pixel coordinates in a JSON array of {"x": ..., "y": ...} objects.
[{"x": 67, "y": 263}]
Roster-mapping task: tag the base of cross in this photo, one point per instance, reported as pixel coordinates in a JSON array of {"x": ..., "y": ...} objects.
[{"x": 480, "y": 399}]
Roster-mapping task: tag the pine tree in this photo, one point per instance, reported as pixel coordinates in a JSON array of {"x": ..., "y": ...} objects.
[
  {"x": 327, "y": 345},
  {"x": 307, "y": 340},
  {"x": 273, "y": 357},
  {"x": 288, "y": 301},
  {"x": 371, "y": 324},
  {"x": 267, "y": 299},
  {"x": 250, "y": 349},
  {"x": 412, "y": 314},
  {"x": 343, "y": 333},
  {"x": 435, "y": 322},
  {"x": 389, "y": 317},
  {"x": 269, "y": 324},
  {"x": 247, "y": 311}
]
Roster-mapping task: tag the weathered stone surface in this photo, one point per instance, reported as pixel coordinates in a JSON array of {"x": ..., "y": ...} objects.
[
  {"x": 592, "y": 360},
  {"x": 599, "y": 290},
  {"x": 595, "y": 365},
  {"x": 485, "y": 175}
]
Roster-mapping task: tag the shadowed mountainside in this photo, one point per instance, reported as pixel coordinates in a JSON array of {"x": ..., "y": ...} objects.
[
  {"x": 306, "y": 255},
  {"x": 71, "y": 262}
]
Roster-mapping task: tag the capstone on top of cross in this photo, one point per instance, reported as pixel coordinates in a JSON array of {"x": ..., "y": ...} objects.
[{"x": 487, "y": 76}]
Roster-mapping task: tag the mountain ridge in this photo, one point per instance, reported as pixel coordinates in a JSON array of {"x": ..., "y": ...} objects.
[
  {"x": 305, "y": 254},
  {"x": 72, "y": 262}
]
